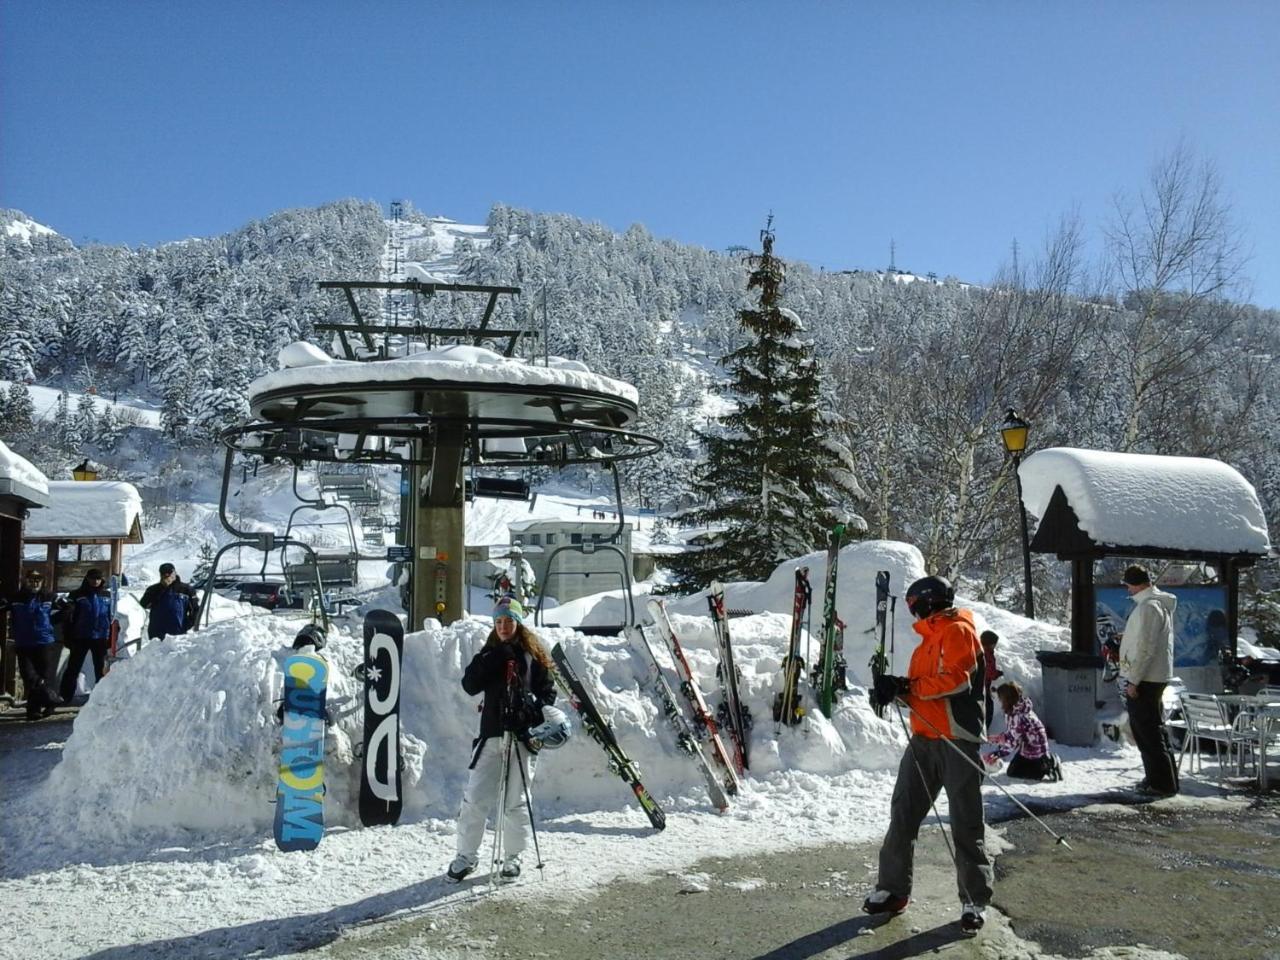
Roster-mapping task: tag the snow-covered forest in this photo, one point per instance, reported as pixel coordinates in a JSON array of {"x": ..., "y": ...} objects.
[{"x": 1148, "y": 349}]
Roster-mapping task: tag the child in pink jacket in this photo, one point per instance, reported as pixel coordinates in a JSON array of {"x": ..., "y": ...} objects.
[{"x": 1024, "y": 741}]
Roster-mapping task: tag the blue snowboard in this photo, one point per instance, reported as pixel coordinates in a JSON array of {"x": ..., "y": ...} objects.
[{"x": 300, "y": 791}]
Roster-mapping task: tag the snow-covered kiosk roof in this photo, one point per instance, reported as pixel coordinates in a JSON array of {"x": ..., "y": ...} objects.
[
  {"x": 20, "y": 480},
  {"x": 88, "y": 511},
  {"x": 1096, "y": 502}
]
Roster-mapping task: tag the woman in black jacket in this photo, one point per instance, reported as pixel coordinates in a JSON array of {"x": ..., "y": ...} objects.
[
  {"x": 88, "y": 632},
  {"x": 513, "y": 671}
]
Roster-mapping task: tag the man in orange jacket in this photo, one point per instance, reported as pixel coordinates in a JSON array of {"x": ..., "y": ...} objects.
[{"x": 943, "y": 689}]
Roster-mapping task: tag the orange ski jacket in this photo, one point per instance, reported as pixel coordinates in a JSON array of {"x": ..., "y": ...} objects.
[{"x": 946, "y": 678}]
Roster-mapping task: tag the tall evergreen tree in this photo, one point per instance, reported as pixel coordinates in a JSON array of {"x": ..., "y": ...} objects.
[{"x": 777, "y": 474}]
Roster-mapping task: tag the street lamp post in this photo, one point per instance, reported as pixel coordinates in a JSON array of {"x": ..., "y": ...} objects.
[
  {"x": 86, "y": 471},
  {"x": 1013, "y": 433}
]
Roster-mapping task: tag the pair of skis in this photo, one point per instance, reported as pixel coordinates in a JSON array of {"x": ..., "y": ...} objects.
[
  {"x": 299, "y": 818},
  {"x": 732, "y": 713},
  {"x": 879, "y": 661},
  {"x": 598, "y": 728},
  {"x": 787, "y": 708},
  {"x": 829, "y": 673},
  {"x": 691, "y": 736}
]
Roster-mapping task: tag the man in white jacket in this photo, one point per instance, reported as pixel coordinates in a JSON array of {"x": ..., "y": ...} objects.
[{"x": 1146, "y": 664}]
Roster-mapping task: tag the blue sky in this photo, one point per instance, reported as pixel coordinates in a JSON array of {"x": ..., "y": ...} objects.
[{"x": 951, "y": 127}]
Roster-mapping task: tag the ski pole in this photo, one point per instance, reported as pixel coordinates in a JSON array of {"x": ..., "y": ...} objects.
[
  {"x": 528, "y": 805},
  {"x": 499, "y": 820},
  {"x": 969, "y": 760}
]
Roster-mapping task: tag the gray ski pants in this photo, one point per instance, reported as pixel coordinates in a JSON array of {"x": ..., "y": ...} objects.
[{"x": 927, "y": 766}]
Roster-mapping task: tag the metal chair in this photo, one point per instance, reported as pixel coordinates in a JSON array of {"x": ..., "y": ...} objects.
[
  {"x": 1256, "y": 730},
  {"x": 1206, "y": 720}
]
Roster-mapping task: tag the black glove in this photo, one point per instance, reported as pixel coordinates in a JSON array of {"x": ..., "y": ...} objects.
[{"x": 888, "y": 688}]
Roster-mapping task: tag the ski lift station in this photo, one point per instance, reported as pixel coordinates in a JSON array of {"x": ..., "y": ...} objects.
[{"x": 452, "y": 413}]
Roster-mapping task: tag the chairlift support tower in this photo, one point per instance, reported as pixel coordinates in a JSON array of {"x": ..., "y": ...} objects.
[{"x": 436, "y": 428}]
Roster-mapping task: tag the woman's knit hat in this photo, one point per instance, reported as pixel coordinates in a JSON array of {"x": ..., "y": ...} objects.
[{"x": 509, "y": 607}]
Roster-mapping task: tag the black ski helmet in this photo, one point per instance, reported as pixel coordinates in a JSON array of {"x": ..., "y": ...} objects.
[
  {"x": 929, "y": 595},
  {"x": 311, "y": 635}
]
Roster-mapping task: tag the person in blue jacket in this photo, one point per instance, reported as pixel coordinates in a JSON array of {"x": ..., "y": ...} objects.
[
  {"x": 33, "y": 610},
  {"x": 89, "y": 630},
  {"x": 171, "y": 604}
]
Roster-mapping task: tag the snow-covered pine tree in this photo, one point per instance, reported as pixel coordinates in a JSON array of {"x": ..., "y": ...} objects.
[
  {"x": 17, "y": 423},
  {"x": 777, "y": 474},
  {"x": 86, "y": 418},
  {"x": 110, "y": 429},
  {"x": 66, "y": 430}
]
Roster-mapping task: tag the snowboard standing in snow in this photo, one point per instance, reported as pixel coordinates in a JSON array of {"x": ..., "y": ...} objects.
[
  {"x": 704, "y": 722},
  {"x": 686, "y": 741},
  {"x": 829, "y": 673},
  {"x": 299, "y": 821},
  {"x": 596, "y": 725},
  {"x": 732, "y": 713},
  {"x": 786, "y": 705},
  {"x": 380, "y": 792}
]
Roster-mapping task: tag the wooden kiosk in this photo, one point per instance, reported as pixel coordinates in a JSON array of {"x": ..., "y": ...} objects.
[
  {"x": 84, "y": 514},
  {"x": 1094, "y": 505}
]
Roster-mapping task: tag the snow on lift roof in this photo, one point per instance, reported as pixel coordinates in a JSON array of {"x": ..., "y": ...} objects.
[
  {"x": 83, "y": 509},
  {"x": 306, "y": 365},
  {"x": 1143, "y": 500},
  {"x": 18, "y": 478}
]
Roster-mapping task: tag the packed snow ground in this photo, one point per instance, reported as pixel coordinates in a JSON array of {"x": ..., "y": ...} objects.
[{"x": 162, "y": 794}]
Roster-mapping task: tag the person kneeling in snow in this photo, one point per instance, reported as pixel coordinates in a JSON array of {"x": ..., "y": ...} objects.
[
  {"x": 1024, "y": 740},
  {"x": 512, "y": 656}
]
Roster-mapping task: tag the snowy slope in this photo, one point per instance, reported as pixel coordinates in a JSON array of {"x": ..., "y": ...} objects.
[{"x": 135, "y": 411}]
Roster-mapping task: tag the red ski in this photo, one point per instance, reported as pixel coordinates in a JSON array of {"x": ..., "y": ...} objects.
[{"x": 704, "y": 722}]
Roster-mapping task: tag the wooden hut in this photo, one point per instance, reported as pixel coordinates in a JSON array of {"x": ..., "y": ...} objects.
[{"x": 84, "y": 514}]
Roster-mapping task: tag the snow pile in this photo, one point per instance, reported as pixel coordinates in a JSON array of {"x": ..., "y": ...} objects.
[
  {"x": 454, "y": 364},
  {"x": 20, "y": 471},
  {"x": 87, "y": 508},
  {"x": 200, "y": 754},
  {"x": 300, "y": 353},
  {"x": 1142, "y": 500}
]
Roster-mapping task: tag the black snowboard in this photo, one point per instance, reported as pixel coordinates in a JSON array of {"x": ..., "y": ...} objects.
[{"x": 380, "y": 794}]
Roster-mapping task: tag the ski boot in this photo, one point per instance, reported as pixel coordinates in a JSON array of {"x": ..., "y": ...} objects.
[
  {"x": 972, "y": 917},
  {"x": 882, "y": 901}
]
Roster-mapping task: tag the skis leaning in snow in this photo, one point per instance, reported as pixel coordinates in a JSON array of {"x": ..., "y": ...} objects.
[
  {"x": 704, "y": 722},
  {"x": 786, "y": 705},
  {"x": 829, "y": 672},
  {"x": 596, "y": 725},
  {"x": 299, "y": 821},
  {"x": 732, "y": 712},
  {"x": 880, "y": 662},
  {"x": 686, "y": 740}
]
